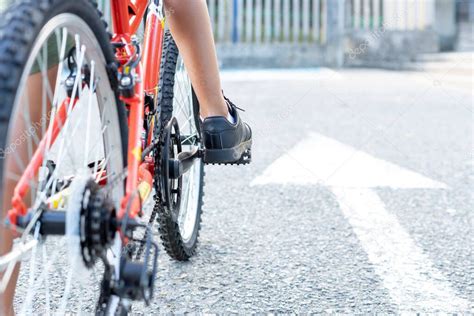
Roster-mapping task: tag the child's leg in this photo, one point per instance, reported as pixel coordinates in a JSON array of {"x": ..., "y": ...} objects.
[
  {"x": 191, "y": 28},
  {"x": 226, "y": 138}
]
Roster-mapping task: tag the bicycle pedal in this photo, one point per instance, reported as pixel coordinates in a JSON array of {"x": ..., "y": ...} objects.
[{"x": 245, "y": 159}]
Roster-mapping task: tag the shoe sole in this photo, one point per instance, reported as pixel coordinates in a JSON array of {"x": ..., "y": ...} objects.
[{"x": 238, "y": 155}]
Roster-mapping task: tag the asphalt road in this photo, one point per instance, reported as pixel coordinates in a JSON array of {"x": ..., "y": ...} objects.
[
  {"x": 290, "y": 247},
  {"x": 358, "y": 200}
]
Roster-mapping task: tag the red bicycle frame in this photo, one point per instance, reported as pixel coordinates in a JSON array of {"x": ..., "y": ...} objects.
[{"x": 127, "y": 16}]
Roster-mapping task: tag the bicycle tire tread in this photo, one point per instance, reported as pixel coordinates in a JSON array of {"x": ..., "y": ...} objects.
[{"x": 167, "y": 227}]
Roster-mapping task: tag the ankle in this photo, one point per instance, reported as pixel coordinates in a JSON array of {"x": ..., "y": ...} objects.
[
  {"x": 215, "y": 108},
  {"x": 228, "y": 116},
  {"x": 206, "y": 114}
]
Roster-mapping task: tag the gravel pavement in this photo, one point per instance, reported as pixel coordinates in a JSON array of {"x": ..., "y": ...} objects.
[{"x": 289, "y": 247}]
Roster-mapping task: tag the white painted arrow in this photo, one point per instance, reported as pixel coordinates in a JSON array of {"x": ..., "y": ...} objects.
[
  {"x": 322, "y": 160},
  {"x": 407, "y": 272}
]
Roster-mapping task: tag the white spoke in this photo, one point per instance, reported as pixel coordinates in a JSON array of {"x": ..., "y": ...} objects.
[
  {"x": 81, "y": 297},
  {"x": 188, "y": 121},
  {"x": 187, "y": 138},
  {"x": 71, "y": 136},
  {"x": 57, "y": 33},
  {"x": 29, "y": 128},
  {"x": 62, "y": 54},
  {"x": 183, "y": 110},
  {"x": 104, "y": 164},
  {"x": 100, "y": 140},
  {"x": 96, "y": 159},
  {"x": 54, "y": 106},
  {"x": 19, "y": 162},
  {"x": 45, "y": 83},
  {"x": 89, "y": 110},
  {"x": 46, "y": 286},
  {"x": 32, "y": 268},
  {"x": 70, "y": 106},
  {"x": 45, "y": 272},
  {"x": 78, "y": 55},
  {"x": 67, "y": 290},
  {"x": 12, "y": 176}
]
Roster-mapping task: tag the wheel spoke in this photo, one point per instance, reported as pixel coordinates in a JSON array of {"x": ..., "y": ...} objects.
[
  {"x": 184, "y": 112},
  {"x": 32, "y": 271},
  {"x": 89, "y": 137},
  {"x": 62, "y": 55},
  {"x": 193, "y": 136},
  {"x": 94, "y": 148},
  {"x": 89, "y": 111},
  {"x": 69, "y": 110},
  {"x": 46, "y": 286},
  {"x": 40, "y": 279},
  {"x": 29, "y": 128},
  {"x": 67, "y": 290},
  {"x": 188, "y": 122}
]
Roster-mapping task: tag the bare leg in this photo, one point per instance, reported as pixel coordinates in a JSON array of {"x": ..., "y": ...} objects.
[{"x": 191, "y": 28}]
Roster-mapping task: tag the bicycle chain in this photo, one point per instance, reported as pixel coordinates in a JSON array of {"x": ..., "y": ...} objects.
[{"x": 158, "y": 203}]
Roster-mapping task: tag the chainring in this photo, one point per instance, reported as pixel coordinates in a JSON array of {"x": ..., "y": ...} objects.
[{"x": 170, "y": 189}]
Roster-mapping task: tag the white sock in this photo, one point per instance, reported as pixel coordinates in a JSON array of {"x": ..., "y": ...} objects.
[{"x": 230, "y": 118}]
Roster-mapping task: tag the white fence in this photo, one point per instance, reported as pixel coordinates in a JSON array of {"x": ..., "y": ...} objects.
[
  {"x": 391, "y": 14},
  {"x": 266, "y": 21},
  {"x": 306, "y": 21}
]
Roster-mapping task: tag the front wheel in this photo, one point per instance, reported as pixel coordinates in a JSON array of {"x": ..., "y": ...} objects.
[{"x": 179, "y": 223}]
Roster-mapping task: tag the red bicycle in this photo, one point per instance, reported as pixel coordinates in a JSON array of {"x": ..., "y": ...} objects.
[{"x": 90, "y": 124}]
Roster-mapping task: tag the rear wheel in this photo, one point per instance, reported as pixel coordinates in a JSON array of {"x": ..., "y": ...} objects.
[
  {"x": 54, "y": 58},
  {"x": 179, "y": 223}
]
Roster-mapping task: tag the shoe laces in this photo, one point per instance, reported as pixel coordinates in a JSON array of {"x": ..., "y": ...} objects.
[{"x": 232, "y": 105}]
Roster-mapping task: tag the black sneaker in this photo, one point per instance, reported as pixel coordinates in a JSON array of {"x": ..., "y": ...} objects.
[{"x": 224, "y": 142}]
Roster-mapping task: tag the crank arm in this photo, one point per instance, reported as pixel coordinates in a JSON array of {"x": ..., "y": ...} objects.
[{"x": 184, "y": 162}]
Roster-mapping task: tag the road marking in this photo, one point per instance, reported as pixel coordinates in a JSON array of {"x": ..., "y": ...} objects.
[
  {"x": 413, "y": 282},
  {"x": 280, "y": 74},
  {"x": 322, "y": 160},
  {"x": 406, "y": 271}
]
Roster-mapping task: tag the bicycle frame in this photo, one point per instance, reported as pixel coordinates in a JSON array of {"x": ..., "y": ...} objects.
[{"x": 127, "y": 16}]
